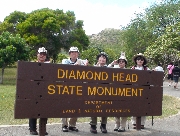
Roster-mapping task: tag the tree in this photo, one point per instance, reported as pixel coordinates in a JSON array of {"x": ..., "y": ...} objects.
[
  {"x": 10, "y": 22},
  {"x": 143, "y": 31},
  {"x": 52, "y": 29},
  {"x": 161, "y": 15},
  {"x": 136, "y": 37},
  {"x": 90, "y": 54},
  {"x": 12, "y": 49},
  {"x": 167, "y": 47}
]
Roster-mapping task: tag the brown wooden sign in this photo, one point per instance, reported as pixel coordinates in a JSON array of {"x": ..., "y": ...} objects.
[{"x": 47, "y": 90}]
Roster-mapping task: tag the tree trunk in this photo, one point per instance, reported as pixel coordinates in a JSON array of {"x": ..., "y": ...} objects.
[{"x": 2, "y": 74}]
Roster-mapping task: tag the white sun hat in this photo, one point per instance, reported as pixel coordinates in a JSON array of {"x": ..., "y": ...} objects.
[
  {"x": 42, "y": 49},
  {"x": 73, "y": 49}
]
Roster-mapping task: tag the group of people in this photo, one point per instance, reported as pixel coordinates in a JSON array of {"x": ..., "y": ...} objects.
[
  {"x": 173, "y": 74},
  {"x": 69, "y": 124}
]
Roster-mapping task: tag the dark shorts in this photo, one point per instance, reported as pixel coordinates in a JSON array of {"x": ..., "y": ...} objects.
[
  {"x": 170, "y": 77},
  {"x": 176, "y": 79}
]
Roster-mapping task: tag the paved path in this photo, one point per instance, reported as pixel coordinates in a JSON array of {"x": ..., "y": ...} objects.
[{"x": 162, "y": 127}]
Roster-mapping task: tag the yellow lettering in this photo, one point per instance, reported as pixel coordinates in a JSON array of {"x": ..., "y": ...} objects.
[
  {"x": 128, "y": 78},
  {"x": 89, "y": 75},
  {"x": 121, "y": 77},
  {"x": 72, "y": 75},
  {"x": 115, "y": 76},
  {"x": 140, "y": 92},
  {"x": 128, "y": 91},
  {"x": 61, "y": 73},
  {"x": 100, "y": 89},
  {"x": 79, "y": 90},
  {"x": 65, "y": 90},
  {"x": 104, "y": 76},
  {"x": 134, "y": 78},
  {"x": 91, "y": 91},
  {"x": 51, "y": 89},
  {"x": 81, "y": 75}
]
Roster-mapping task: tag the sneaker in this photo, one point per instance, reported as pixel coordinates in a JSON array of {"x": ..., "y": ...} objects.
[
  {"x": 122, "y": 129},
  {"x": 93, "y": 129},
  {"x": 134, "y": 126},
  {"x": 33, "y": 132},
  {"x": 73, "y": 129},
  {"x": 103, "y": 128},
  {"x": 142, "y": 126},
  {"x": 65, "y": 128},
  {"x": 116, "y": 129}
]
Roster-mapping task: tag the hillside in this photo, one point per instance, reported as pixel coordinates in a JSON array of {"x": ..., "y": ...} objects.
[{"x": 107, "y": 37}]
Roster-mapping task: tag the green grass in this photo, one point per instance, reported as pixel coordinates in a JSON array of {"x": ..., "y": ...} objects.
[
  {"x": 171, "y": 105},
  {"x": 10, "y": 76}
]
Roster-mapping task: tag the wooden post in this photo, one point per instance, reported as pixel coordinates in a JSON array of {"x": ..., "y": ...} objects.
[
  {"x": 138, "y": 123},
  {"x": 42, "y": 126}
]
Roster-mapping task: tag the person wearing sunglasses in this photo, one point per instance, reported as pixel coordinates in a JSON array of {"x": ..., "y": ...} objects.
[
  {"x": 140, "y": 64},
  {"x": 119, "y": 63},
  {"x": 120, "y": 122}
]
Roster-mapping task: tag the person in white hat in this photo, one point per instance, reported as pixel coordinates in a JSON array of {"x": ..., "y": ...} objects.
[
  {"x": 73, "y": 58},
  {"x": 120, "y": 122},
  {"x": 41, "y": 57},
  {"x": 70, "y": 123},
  {"x": 140, "y": 64},
  {"x": 119, "y": 63}
]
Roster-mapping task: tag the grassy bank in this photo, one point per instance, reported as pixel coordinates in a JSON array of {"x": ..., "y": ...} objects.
[{"x": 171, "y": 105}]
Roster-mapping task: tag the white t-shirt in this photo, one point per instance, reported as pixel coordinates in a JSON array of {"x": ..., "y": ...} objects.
[
  {"x": 140, "y": 68},
  {"x": 159, "y": 68}
]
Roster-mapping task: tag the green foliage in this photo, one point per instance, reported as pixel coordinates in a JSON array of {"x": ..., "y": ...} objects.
[
  {"x": 52, "y": 29},
  {"x": 160, "y": 16},
  {"x": 61, "y": 57},
  {"x": 167, "y": 47},
  {"x": 12, "y": 49},
  {"x": 11, "y": 21},
  {"x": 90, "y": 54}
]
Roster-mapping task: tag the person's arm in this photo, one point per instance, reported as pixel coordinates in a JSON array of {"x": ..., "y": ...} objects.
[{"x": 113, "y": 63}]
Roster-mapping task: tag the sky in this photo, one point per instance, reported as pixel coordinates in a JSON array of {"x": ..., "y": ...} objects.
[{"x": 97, "y": 15}]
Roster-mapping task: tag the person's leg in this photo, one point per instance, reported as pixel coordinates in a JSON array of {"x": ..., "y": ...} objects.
[
  {"x": 117, "y": 123},
  {"x": 133, "y": 120},
  {"x": 176, "y": 82},
  {"x": 169, "y": 79},
  {"x": 93, "y": 124},
  {"x": 32, "y": 126},
  {"x": 122, "y": 124},
  {"x": 64, "y": 124},
  {"x": 143, "y": 120},
  {"x": 103, "y": 124},
  {"x": 72, "y": 124}
]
